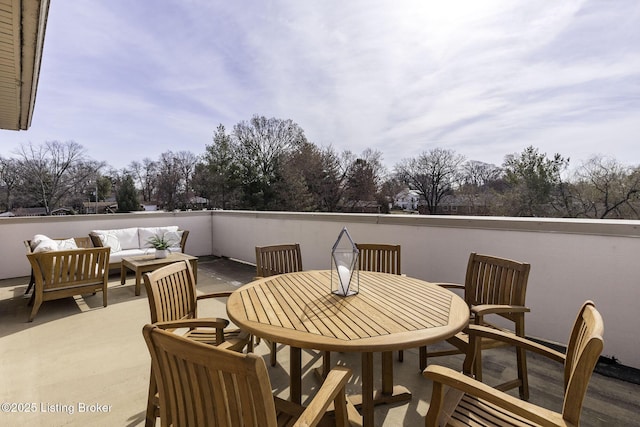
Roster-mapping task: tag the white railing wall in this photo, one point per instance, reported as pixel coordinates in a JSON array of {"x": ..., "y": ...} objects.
[{"x": 571, "y": 260}]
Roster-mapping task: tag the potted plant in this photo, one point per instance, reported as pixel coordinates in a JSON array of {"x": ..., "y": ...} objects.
[{"x": 161, "y": 245}]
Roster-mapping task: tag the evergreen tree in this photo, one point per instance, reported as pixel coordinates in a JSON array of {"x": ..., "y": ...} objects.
[{"x": 127, "y": 196}]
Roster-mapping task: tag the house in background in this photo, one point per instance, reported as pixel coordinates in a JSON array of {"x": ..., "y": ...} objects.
[
  {"x": 473, "y": 204},
  {"x": 108, "y": 206},
  {"x": 407, "y": 200}
]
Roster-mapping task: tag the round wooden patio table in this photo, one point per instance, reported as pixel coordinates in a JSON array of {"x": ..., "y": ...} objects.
[{"x": 390, "y": 312}]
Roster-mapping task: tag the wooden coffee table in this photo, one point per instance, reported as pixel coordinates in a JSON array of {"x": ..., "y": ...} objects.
[{"x": 144, "y": 263}]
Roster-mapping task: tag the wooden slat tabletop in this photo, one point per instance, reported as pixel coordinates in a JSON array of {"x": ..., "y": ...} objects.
[{"x": 390, "y": 312}]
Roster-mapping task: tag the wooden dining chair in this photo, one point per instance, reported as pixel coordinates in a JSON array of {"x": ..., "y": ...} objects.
[
  {"x": 470, "y": 402},
  {"x": 381, "y": 258},
  {"x": 277, "y": 259},
  {"x": 202, "y": 385},
  {"x": 493, "y": 286},
  {"x": 172, "y": 295}
]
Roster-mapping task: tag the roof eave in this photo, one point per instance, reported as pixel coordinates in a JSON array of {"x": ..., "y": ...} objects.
[{"x": 34, "y": 24}]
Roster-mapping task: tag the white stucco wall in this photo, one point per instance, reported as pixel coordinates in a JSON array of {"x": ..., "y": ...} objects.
[{"x": 571, "y": 260}]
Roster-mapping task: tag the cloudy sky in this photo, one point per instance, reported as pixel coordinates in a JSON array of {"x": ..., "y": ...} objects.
[{"x": 129, "y": 80}]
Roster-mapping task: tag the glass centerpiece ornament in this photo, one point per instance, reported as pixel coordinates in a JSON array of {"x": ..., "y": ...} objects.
[{"x": 345, "y": 275}]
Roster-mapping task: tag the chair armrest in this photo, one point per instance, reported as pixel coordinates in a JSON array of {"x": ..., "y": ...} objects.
[
  {"x": 208, "y": 322},
  {"x": 450, "y": 285},
  {"x": 445, "y": 376},
  {"x": 513, "y": 339},
  {"x": 214, "y": 295},
  {"x": 332, "y": 389},
  {"x": 95, "y": 239},
  {"x": 484, "y": 309}
]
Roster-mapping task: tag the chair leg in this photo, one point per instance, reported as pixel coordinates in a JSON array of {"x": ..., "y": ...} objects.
[
  {"x": 273, "y": 352},
  {"x": 477, "y": 364},
  {"x": 521, "y": 356},
  {"x": 32, "y": 281},
  {"x": 326, "y": 365},
  {"x": 150, "y": 417},
  {"x": 422, "y": 355},
  {"x": 36, "y": 300},
  {"x": 401, "y": 356}
]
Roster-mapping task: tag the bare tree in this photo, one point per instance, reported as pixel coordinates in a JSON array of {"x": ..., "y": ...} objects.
[
  {"x": 54, "y": 170},
  {"x": 390, "y": 189},
  {"x": 434, "y": 174},
  {"x": 169, "y": 181},
  {"x": 479, "y": 174},
  {"x": 10, "y": 180},
  {"x": 146, "y": 174},
  {"x": 262, "y": 144},
  {"x": 365, "y": 175},
  {"x": 604, "y": 188},
  {"x": 185, "y": 163},
  {"x": 479, "y": 183}
]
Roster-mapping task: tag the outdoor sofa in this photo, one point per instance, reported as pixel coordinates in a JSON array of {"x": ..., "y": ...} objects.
[{"x": 134, "y": 241}]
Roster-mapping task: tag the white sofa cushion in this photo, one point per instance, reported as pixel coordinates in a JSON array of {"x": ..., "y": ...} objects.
[
  {"x": 146, "y": 233},
  {"x": 117, "y": 257},
  {"x": 127, "y": 238}
]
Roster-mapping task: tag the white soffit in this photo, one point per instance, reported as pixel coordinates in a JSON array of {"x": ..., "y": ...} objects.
[{"x": 22, "y": 29}]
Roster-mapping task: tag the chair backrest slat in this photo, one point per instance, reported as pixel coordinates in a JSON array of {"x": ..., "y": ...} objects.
[
  {"x": 203, "y": 385},
  {"x": 61, "y": 269},
  {"x": 584, "y": 349},
  {"x": 494, "y": 280},
  {"x": 172, "y": 292},
  {"x": 380, "y": 258},
  {"x": 278, "y": 259}
]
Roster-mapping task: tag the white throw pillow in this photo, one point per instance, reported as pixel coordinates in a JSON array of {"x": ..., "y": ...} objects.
[
  {"x": 36, "y": 239},
  {"x": 67, "y": 244},
  {"x": 111, "y": 240},
  {"x": 127, "y": 237},
  {"x": 175, "y": 237},
  {"x": 39, "y": 237},
  {"x": 147, "y": 233},
  {"x": 46, "y": 245}
]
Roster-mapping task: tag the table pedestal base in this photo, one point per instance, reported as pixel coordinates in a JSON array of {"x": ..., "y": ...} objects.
[
  {"x": 370, "y": 397},
  {"x": 399, "y": 394}
]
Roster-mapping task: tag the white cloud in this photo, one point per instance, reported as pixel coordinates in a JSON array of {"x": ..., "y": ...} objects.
[{"x": 486, "y": 78}]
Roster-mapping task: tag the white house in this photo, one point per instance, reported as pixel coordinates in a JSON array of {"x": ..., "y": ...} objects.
[{"x": 407, "y": 199}]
